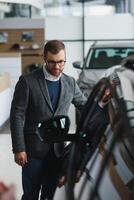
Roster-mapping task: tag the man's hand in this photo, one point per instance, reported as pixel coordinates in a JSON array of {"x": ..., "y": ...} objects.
[
  {"x": 20, "y": 158},
  {"x": 106, "y": 96},
  {"x": 62, "y": 179}
]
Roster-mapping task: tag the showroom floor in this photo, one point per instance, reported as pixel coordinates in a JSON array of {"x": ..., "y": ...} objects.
[{"x": 10, "y": 173}]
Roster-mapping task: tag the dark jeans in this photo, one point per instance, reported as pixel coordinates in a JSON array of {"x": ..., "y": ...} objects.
[{"x": 40, "y": 175}]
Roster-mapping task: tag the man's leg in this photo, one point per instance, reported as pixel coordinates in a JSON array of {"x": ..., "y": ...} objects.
[
  {"x": 52, "y": 166},
  {"x": 48, "y": 188},
  {"x": 31, "y": 179}
]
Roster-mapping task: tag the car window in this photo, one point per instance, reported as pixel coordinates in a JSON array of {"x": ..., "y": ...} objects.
[{"x": 103, "y": 58}]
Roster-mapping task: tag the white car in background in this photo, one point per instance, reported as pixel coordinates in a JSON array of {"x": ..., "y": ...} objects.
[{"x": 101, "y": 56}]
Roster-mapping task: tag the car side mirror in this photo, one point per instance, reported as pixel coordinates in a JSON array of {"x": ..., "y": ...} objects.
[
  {"x": 77, "y": 64},
  {"x": 54, "y": 129}
]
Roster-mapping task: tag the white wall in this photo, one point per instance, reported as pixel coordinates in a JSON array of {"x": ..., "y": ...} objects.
[
  {"x": 20, "y": 23},
  {"x": 5, "y": 103},
  {"x": 116, "y": 26},
  {"x": 63, "y": 28},
  {"x": 11, "y": 63}
]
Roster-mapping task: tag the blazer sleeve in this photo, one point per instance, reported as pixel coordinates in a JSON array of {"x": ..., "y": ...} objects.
[
  {"x": 79, "y": 99},
  {"x": 17, "y": 114}
]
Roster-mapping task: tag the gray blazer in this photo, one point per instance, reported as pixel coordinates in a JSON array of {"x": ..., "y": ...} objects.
[{"x": 31, "y": 104}]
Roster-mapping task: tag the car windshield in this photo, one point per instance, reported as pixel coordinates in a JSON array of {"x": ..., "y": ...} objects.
[{"x": 103, "y": 58}]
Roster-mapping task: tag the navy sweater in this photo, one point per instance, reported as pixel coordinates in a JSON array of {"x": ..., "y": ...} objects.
[{"x": 54, "y": 92}]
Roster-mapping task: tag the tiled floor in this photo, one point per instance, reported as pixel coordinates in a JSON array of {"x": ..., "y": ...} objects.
[{"x": 9, "y": 171}]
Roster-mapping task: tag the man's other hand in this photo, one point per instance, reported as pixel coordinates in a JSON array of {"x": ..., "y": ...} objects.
[{"x": 20, "y": 158}]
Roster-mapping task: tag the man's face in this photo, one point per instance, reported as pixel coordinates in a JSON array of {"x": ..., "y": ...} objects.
[{"x": 55, "y": 62}]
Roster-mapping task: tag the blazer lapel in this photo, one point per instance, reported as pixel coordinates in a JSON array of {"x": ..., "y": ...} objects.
[{"x": 44, "y": 89}]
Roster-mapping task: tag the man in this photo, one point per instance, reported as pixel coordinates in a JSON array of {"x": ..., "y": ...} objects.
[{"x": 38, "y": 96}]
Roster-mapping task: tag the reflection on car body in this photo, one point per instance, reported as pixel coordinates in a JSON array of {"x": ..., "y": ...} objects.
[{"x": 109, "y": 173}]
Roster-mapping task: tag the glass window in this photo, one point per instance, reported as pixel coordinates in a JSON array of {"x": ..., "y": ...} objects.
[{"x": 103, "y": 58}]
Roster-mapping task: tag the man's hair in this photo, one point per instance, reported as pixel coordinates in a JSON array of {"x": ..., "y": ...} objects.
[{"x": 53, "y": 46}]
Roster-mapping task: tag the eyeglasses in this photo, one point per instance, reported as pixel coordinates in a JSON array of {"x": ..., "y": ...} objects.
[{"x": 60, "y": 63}]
